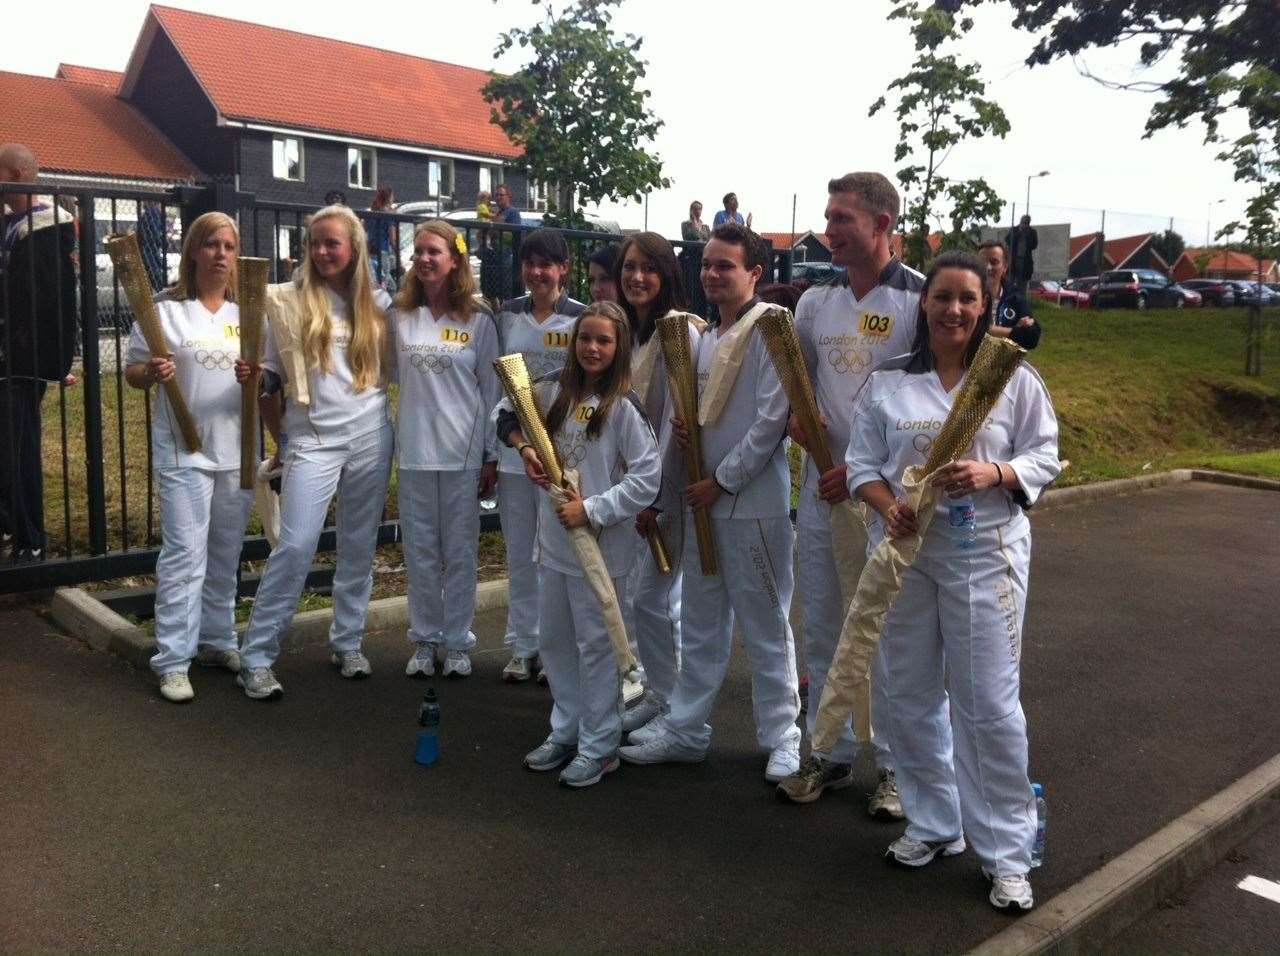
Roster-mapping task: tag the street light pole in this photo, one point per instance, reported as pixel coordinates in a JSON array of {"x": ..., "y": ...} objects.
[
  {"x": 1043, "y": 172},
  {"x": 1208, "y": 213}
]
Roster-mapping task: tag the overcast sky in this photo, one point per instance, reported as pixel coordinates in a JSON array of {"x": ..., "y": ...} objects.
[{"x": 768, "y": 105}]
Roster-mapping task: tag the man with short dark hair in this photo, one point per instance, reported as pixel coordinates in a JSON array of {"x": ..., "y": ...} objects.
[
  {"x": 1010, "y": 311},
  {"x": 730, "y": 214},
  {"x": 743, "y": 414},
  {"x": 1021, "y": 243},
  {"x": 37, "y": 342},
  {"x": 506, "y": 211}
]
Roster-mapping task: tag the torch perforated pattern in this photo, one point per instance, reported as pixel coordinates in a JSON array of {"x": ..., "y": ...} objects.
[
  {"x": 992, "y": 367},
  {"x": 251, "y": 298},
  {"x": 519, "y": 388},
  {"x": 778, "y": 329}
]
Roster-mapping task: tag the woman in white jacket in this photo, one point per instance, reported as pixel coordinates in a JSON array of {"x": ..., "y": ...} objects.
[
  {"x": 203, "y": 511},
  {"x": 445, "y": 343},
  {"x": 960, "y": 611}
]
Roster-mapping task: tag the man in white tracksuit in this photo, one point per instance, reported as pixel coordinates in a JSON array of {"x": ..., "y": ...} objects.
[
  {"x": 846, "y": 329},
  {"x": 748, "y": 494},
  {"x": 543, "y": 345}
]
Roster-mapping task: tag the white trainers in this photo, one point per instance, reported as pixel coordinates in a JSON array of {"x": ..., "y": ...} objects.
[
  {"x": 351, "y": 664},
  {"x": 212, "y": 657},
  {"x": 783, "y": 762},
  {"x": 885, "y": 803},
  {"x": 909, "y": 852},
  {"x": 632, "y": 690},
  {"x": 518, "y": 670},
  {"x": 259, "y": 683},
  {"x": 422, "y": 662},
  {"x": 456, "y": 664},
  {"x": 642, "y": 713},
  {"x": 650, "y": 730},
  {"x": 1011, "y": 892},
  {"x": 661, "y": 748},
  {"x": 548, "y": 755},
  {"x": 584, "y": 771},
  {"x": 175, "y": 686}
]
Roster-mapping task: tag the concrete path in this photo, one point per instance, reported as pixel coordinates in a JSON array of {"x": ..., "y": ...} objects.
[{"x": 129, "y": 824}]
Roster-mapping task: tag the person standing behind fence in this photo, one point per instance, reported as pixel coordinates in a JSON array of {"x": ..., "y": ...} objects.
[
  {"x": 1021, "y": 242},
  {"x": 694, "y": 229},
  {"x": 38, "y": 323},
  {"x": 730, "y": 212},
  {"x": 203, "y": 510},
  {"x": 538, "y": 326},
  {"x": 328, "y": 343},
  {"x": 379, "y": 232},
  {"x": 445, "y": 344}
]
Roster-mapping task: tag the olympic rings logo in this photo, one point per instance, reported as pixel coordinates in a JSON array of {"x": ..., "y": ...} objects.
[
  {"x": 215, "y": 359},
  {"x": 430, "y": 362},
  {"x": 848, "y": 360},
  {"x": 922, "y": 444},
  {"x": 574, "y": 453}
]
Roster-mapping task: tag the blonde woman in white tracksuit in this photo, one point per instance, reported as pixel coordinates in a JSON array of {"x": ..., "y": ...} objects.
[
  {"x": 444, "y": 342},
  {"x": 600, "y": 431},
  {"x": 538, "y": 326},
  {"x": 956, "y": 626},
  {"x": 203, "y": 511},
  {"x": 327, "y": 343}
]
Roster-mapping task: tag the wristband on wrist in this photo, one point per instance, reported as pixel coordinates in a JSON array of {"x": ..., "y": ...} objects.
[
  {"x": 521, "y": 448},
  {"x": 999, "y": 474}
]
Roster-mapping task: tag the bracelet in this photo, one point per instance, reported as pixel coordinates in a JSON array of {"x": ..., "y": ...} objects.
[
  {"x": 520, "y": 449},
  {"x": 999, "y": 474}
]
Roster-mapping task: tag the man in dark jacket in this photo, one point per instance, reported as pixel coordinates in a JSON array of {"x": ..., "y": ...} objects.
[
  {"x": 1020, "y": 243},
  {"x": 1010, "y": 312},
  {"x": 37, "y": 341}
]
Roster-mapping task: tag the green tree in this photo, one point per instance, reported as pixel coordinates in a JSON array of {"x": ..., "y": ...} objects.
[
  {"x": 577, "y": 109},
  {"x": 941, "y": 102},
  {"x": 1169, "y": 244}
]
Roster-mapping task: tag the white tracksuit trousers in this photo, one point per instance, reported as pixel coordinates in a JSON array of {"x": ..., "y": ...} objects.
[
  {"x": 202, "y": 519},
  {"x": 440, "y": 520},
  {"x": 961, "y": 617},
  {"x": 754, "y": 587},
  {"x": 518, "y": 511},
  {"x": 654, "y": 604},
  {"x": 578, "y": 659},
  {"x": 824, "y": 610},
  {"x": 357, "y": 471}
]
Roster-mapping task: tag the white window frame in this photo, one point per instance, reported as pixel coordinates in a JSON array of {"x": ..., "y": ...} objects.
[
  {"x": 360, "y": 152},
  {"x": 445, "y": 173},
  {"x": 495, "y": 175},
  {"x": 539, "y": 195},
  {"x": 281, "y": 144}
]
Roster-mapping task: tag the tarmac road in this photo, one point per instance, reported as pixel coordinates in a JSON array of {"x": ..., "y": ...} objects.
[{"x": 130, "y": 824}]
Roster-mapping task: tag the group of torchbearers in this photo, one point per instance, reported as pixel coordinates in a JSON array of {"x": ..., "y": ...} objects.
[{"x": 639, "y": 456}]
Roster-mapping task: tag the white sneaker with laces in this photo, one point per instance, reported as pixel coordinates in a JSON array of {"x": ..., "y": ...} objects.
[
  {"x": 259, "y": 683},
  {"x": 456, "y": 664},
  {"x": 909, "y": 852},
  {"x": 548, "y": 755},
  {"x": 422, "y": 662},
  {"x": 176, "y": 686},
  {"x": 642, "y": 713},
  {"x": 885, "y": 803},
  {"x": 351, "y": 664},
  {"x": 584, "y": 771},
  {"x": 650, "y": 730},
  {"x": 783, "y": 762},
  {"x": 1011, "y": 893},
  {"x": 212, "y": 657},
  {"x": 661, "y": 748}
]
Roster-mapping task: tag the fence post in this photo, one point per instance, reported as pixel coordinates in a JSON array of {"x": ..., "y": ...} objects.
[{"x": 94, "y": 464}]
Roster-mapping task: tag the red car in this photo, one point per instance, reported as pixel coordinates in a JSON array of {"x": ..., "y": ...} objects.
[{"x": 1050, "y": 291}]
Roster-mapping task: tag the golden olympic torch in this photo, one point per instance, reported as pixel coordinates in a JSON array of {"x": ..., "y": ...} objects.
[
  {"x": 251, "y": 296},
  {"x": 126, "y": 257},
  {"x": 673, "y": 335},
  {"x": 848, "y": 688},
  {"x": 516, "y": 382},
  {"x": 778, "y": 329}
]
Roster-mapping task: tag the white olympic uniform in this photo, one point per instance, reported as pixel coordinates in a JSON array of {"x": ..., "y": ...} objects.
[
  {"x": 203, "y": 511},
  {"x": 653, "y": 598},
  {"x": 619, "y": 475},
  {"x": 959, "y": 615},
  {"x": 843, "y": 338},
  {"x": 544, "y": 346},
  {"x": 341, "y": 442},
  {"x": 746, "y": 450},
  {"x": 443, "y": 435}
]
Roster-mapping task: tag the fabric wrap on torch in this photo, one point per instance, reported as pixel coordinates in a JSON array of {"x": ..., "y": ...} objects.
[
  {"x": 848, "y": 687},
  {"x": 251, "y": 297},
  {"x": 126, "y": 258},
  {"x": 516, "y": 382}
]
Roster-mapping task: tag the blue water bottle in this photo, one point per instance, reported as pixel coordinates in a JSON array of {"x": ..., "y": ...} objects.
[
  {"x": 428, "y": 749},
  {"x": 964, "y": 522},
  {"x": 1042, "y": 822}
]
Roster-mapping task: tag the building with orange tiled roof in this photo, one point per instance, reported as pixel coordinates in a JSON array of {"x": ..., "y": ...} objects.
[
  {"x": 1125, "y": 252},
  {"x": 1223, "y": 264},
  {"x": 108, "y": 79},
  {"x": 807, "y": 246}
]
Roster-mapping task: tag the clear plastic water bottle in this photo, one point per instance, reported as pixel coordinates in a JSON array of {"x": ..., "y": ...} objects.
[
  {"x": 964, "y": 522},
  {"x": 1042, "y": 822},
  {"x": 428, "y": 750}
]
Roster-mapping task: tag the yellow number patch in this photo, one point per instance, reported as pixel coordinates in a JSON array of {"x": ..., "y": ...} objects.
[
  {"x": 455, "y": 335},
  {"x": 878, "y": 325},
  {"x": 584, "y": 413},
  {"x": 231, "y": 331},
  {"x": 556, "y": 340}
]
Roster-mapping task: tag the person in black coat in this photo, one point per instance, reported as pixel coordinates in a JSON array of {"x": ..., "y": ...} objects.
[
  {"x": 1020, "y": 244},
  {"x": 1010, "y": 311}
]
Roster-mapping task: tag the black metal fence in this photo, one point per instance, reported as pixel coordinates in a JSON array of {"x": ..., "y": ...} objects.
[{"x": 75, "y": 465}]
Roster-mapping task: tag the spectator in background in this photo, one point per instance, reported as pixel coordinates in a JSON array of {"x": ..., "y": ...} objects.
[
  {"x": 335, "y": 197},
  {"x": 153, "y": 245},
  {"x": 506, "y": 212},
  {"x": 1010, "y": 312},
  {"x": 37, "y": 341},
  {"x": 600, "y": 274},
  {"x": 730, "y": 212},
  {"x": 694, "y": 229},
  {"x": 1021, "y": 242},
  {"x": 379, "y": 232},
  {"x": 484, "y": 211}
]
